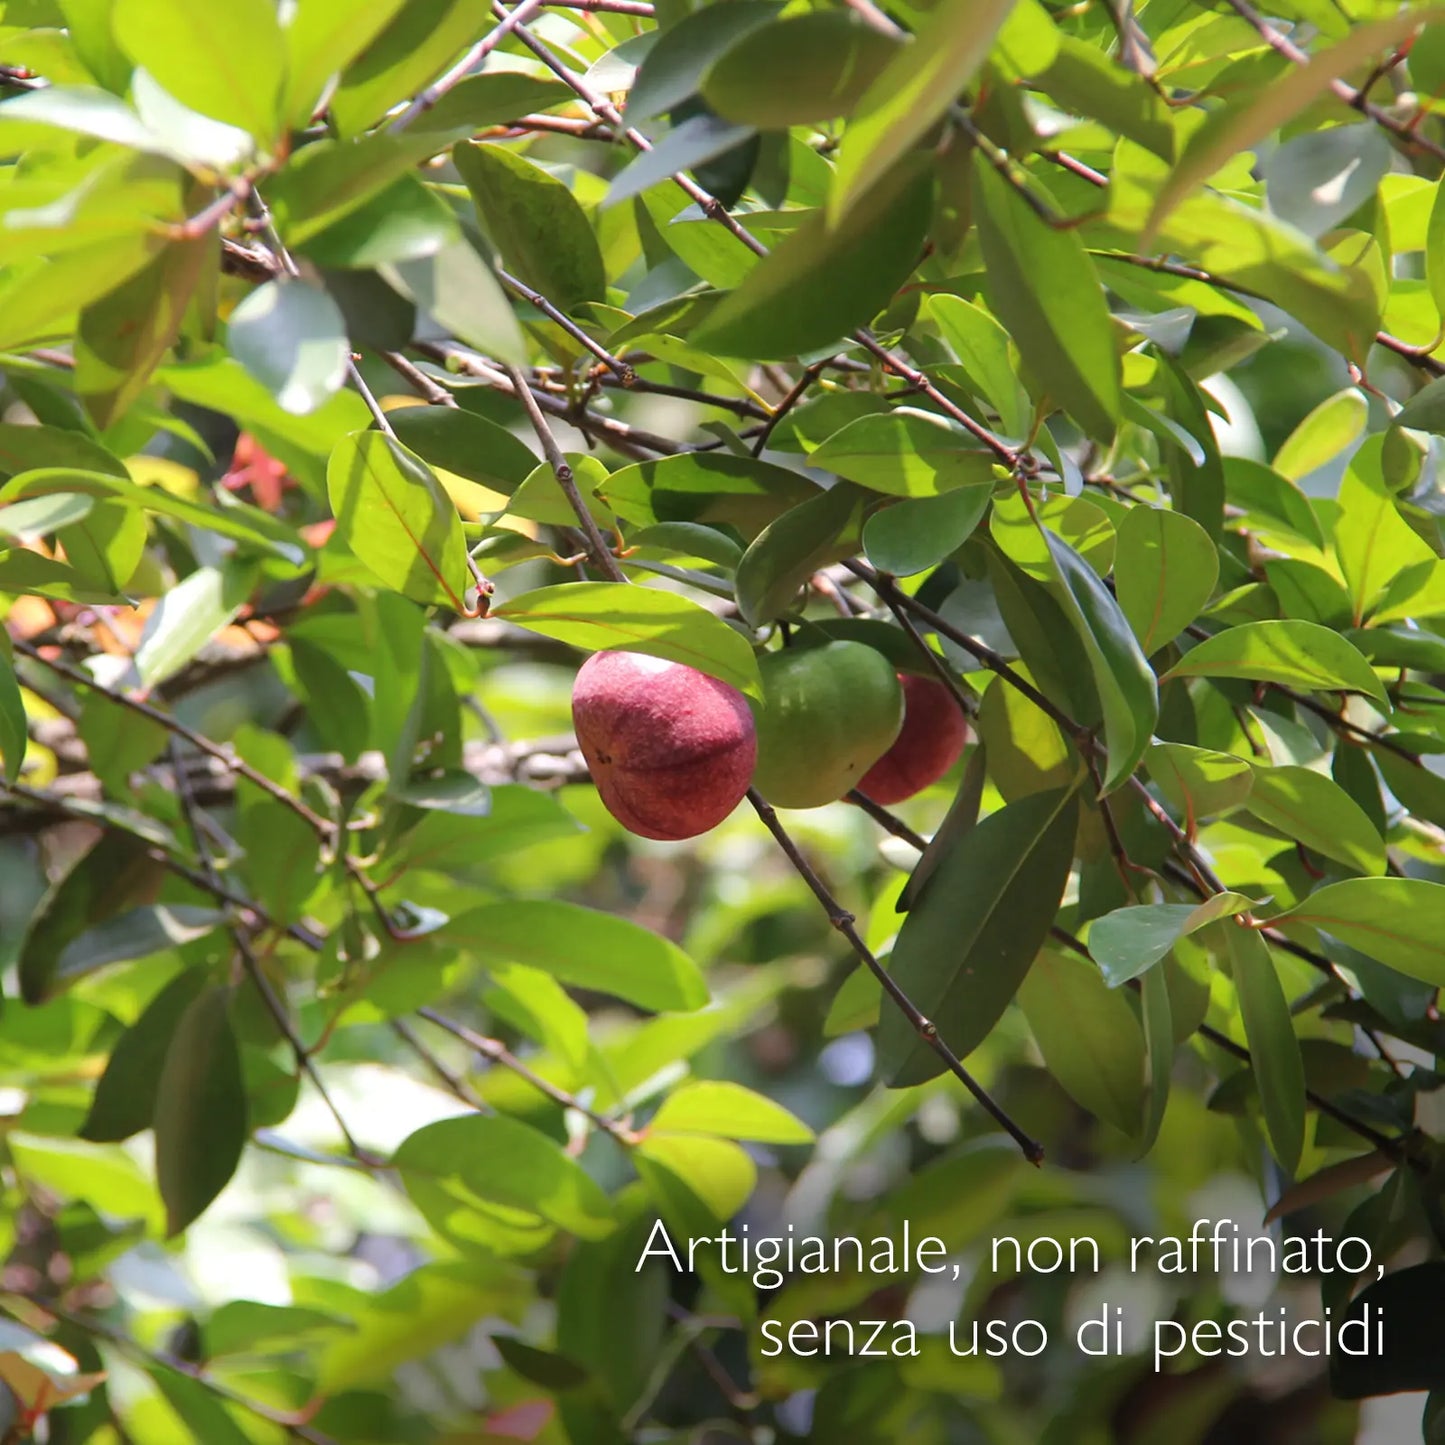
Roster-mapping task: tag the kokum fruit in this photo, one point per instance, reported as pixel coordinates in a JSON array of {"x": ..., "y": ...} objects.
[
  {"x": 829, "y": 714},
  {"x": 933, "y": 737},
  {"x": 670, "y": 748}
]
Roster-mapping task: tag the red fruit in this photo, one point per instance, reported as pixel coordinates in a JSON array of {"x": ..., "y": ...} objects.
[
  {"x": 934, "y": 733},
  {"x": 671, "y": 749}
]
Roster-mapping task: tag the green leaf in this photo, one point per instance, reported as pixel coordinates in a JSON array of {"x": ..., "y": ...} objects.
[
  {"x": 536, "y": 223},
  {"x": 291, "y": 336},
  {"x": 982, "y": 347},
  {"x": 393, "y": 514},
  {"x": 333, "y": 179},
  {"x": 583, "y": 948},
  {"x": 820, "y": 284},
  {"x": 189, "y": 616},
  {"x": 123, "y": 336},
  {"x": 26, "y": 571},
  {"x": 1296, "y": 653},
  {"x": 323, "y": 37},
  {"x": 969, "y": 940},
  {"x": 200, "y": 1110},
  {"x": 688, "y": 146},
  {"x": 918, "y": 533},
  {"x": 138, "y": 933},
  {"x": 906, "y": 453},
  {"x": 673, "y": 69},
  {"x": 1130, "y": 941},
  {"x": 125, "y": 1096},
  {"x": 456, "y": 288},
  {"x": 1164, "y": 570},
  {"x": 225, "y": 61},
  {"x": 490, "y": 99},
  {"x": 1435, "y": 253},
  {"x": 1199, "y": 783},
  {"x": 1126, "y": 684},
  {"x": 915, "y": 89},
  {"x": 465, "y": 444},
  {"x": 787, "y": 552},
  {"x": 1159, "y": 1050},
  {"x": 728, "y": 1110},
  {"x": 30, "y": 448},
  {"x": 1336, "y": 424},
  {"x": 1398, "y": 921},
  {"x": 601, "y": 615},
  {"x": 802, "y": 70},
  {"x": 1317, "y": 180},
  {"x": 1090, "y": 1038},
  {"x": 418, "y": 43},
  {"x": 101, "y": 882},
  {"x": 1313, "y": 811},
  {"x": 14, "y": 735},
  {"x": 204, "y": 1415},
  {"x": 227, "y": 519},
  {"x": 706, "y": 487},
  {"x": 1273, "y": 1047},
  {"x": 456, "y": 1166},
  {"x": 1241, "y": 126},
  {"x": 1041, "y": 284}
]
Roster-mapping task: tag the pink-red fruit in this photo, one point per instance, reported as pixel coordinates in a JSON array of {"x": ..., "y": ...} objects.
[
  {"x": 933, "y": 736},
  {"x": 671, "y": 749}
]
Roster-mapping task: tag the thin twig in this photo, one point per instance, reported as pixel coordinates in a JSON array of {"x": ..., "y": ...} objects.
[
  {"x": 926, "y": 1030},
  {"x": 498, "y": 1053},
  {"x": 601, "y": 556}
]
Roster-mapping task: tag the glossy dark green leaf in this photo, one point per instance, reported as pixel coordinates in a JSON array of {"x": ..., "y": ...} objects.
[
  {"x": 112, "y": 875},
  {"x": 1274, "y": 1050},
  {"x": 602, "y": 615},
  {"x": 919, "y": 532},
  {"x": 1042, "y": 286},
  {"x": 536, "y": 223},
  {"x": 14, "y": 736},
  {"x": 790, "y": 549},
  {"x": 1199, "y": 782},
  {"x": 466, "y": 444},
  {"x": 688, "y": 146},
  {"x": 1126, "y": 684},
  {"x": 1298, "y": 654},
  {"x": 393, "y": 514},
  {"x": 31, "y": 448},
  {"x": 200, "y": 1110},
  {"x": 804, "y": 69},
  {"x": 969, "y": 939},
  {"x": 820, "y": 284},
  {"x": 137, "y": 933},
  {"x": 125, "y": 1095},
  {"x": 674, "y": 67}
]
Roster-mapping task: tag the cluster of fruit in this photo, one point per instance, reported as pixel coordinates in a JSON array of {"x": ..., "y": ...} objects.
[{"x": 673, "y": 751}]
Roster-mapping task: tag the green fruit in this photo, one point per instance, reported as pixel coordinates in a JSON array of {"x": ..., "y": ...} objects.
[{"x": 830, "y": 713}]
